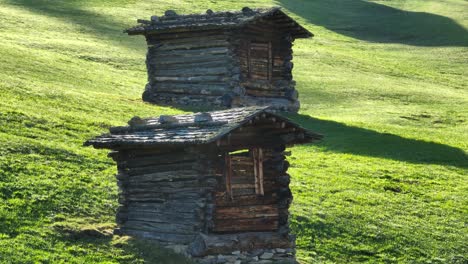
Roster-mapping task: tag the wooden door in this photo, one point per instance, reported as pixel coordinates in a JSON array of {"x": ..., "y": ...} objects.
[
  {"x": 244, "y": 204},
  {"x": 260, "y": 60}
]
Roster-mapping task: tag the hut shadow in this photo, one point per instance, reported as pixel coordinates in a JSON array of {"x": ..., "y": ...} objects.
[
  {"x": 380, "y": 23},
  {"x": 131, "y": 248},
  {"x": 72, "y": 12},
  {"x": 342, "y": 138}
]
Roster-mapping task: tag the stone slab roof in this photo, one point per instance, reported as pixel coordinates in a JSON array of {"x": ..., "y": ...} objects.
[
  {"x": 187, "y": 129},
  {"x": 172, "y": 22}
]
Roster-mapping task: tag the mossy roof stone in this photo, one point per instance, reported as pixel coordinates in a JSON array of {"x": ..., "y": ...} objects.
[
  {"x": 187, "y": 130},
  {"x": 172, "y": 22}
]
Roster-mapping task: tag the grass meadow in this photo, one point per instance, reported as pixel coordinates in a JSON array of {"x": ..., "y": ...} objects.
[{"x": 385, "y": 81}]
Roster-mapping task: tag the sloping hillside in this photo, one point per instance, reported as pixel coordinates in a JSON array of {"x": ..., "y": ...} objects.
[{"x": 384, "y": 81}]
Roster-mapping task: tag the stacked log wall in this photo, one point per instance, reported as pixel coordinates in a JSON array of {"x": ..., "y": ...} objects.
[
  {"x": 210, "y": 67},
  {"x": 262, "y": 211},
  {"x": 190, "y": 68},
  {"x": 276, "y": 88},
  {"x": 178, "y": 196},
  {"x": 249, "y": 227},
  {"x": 163, "y": 195}
]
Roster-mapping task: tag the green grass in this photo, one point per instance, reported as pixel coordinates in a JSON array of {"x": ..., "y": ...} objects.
[{"x": 384, "y": 81}]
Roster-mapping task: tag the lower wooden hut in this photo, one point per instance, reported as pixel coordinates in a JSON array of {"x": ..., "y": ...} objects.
[{"x": 213, "y": 185}]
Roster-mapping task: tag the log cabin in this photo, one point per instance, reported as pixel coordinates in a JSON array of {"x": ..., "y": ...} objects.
[
  {"x": 208, "y": 184},
  {"x": 221, "y": 59}
]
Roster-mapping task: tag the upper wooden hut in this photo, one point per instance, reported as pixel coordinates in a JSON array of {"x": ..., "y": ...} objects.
[
  {"x": 223, "y": 59},
  {"x": 210, "y": 183}
]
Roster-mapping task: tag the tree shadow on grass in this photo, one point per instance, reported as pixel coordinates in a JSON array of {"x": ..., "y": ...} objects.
[
  {"x": 73, "y": 12},
  {"x": 311, "y": 232},
  {"x": 342, "y": 138},
  {"x": 374, "y": 22}
]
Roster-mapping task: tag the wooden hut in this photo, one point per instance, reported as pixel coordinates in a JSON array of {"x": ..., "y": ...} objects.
[
  {"x": 212, "y": 184},
  {"x": 222, "y": 59}
]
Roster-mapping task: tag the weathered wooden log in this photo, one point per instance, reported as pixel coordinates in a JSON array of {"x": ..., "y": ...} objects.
[
  {"x": 190, "y": 87},
  {"x": 122, "y": 176},
  {"x": 247, "y": 200},
  {"x": 242, "y": 181},
  {"x": 188, "y": 53},
  {"x": 189, "y": 206},
  {"x": 166, "y": 217},
  {"x": 121, "y": 215},
  {"x": 189, "y": 40},
  {"x": 177, "y": 98},
  {"x": 199, "y": 71},
  {"x": 203, "y": 78},
  {"x": 190, "y": 90},
  {"x": 136, "y": 185},
  {"x": 145, "y": 152},
  {"x": 184, "y": 65},
  {"x": 169, "y": 158},
  {"x": 165, "y": 176},
  {"x": 160, "y": 237},
  {"x": 246, "y": 225},
  {"x": 284, "y": 180},
  {"x": 284, "y": 193},
  {"x": 206, "y": 182},
  {"x": 124, "y": 200},
  {"x": 269, "y": 171},
  {"x": 236, "y": 192},
  {"x": 288, "y": 94},
  {"x": 159, "y": 197},
  {"x": 188, "y": 165},
  {"x": 192, "y": 44},
  {"x": 242, "y": 192},
  {"x": 262, "y": 85},
  {"x": 244, "y": 212},
  {"x": 184, "y": 35},
  {"x": 195, "y": 59},
  {"x": 192, "y": 191},
  {"x": 284, "y": 202},
  {"x": 283, "y": 215}
]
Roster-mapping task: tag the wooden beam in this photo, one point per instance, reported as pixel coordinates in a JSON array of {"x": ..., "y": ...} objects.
[
  {"x": 248, "y": 60},
  {"x": 228, "y": 173},
  {"x": 258, "y": 170},
  {"x": 270, "y": 61}
]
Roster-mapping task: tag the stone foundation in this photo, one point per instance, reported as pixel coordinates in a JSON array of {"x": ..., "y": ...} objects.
[{"x": 267, "y": 256}]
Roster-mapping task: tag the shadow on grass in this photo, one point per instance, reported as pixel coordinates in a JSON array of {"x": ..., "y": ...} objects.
[
  {"x": 86, "y": 233},
  {"x": 92, "y": 22},
  {"x": 360, "y": 141},
  {"x": 341, "y": 238},
  {"x": 132, "y": 250},
  {"x": 342, "y": 138},
  {"x": 374, "y": 22}
]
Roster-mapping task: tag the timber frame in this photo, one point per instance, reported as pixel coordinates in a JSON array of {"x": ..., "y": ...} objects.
[
  {"x": 207, "y": 183},
  {"x": 223, "y": 59}
]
